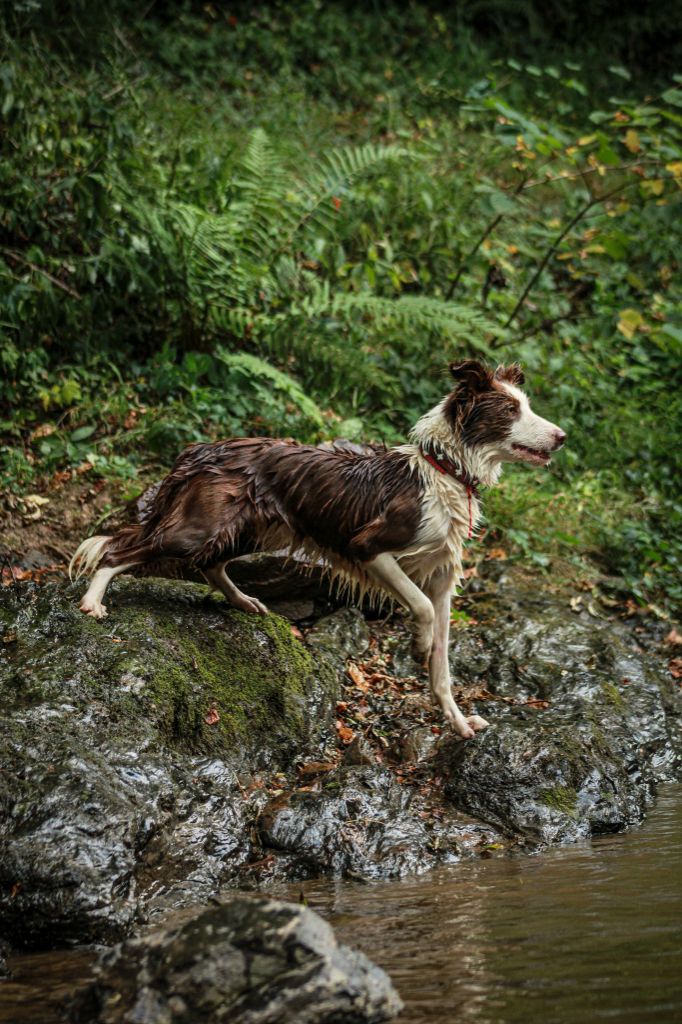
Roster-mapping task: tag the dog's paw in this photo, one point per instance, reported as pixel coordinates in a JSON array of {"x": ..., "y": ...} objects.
[
  {"x": 477, "y": 723},
  {"x": 250, "y": 604},
  {"x": 94, "y": 608}
]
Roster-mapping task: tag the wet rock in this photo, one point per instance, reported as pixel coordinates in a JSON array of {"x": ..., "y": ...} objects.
[
  {"x": 120, "y": 747},
  {"x": 244, "y": 960},
  {"x": 586, "y": 763},
  {"x": 364, "y": 824},
  {"x": 359, "y": 752},
  {"x": 338, "y": 637}
]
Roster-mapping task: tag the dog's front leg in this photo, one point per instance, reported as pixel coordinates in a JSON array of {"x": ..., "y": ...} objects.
[
  {"x": 386, "y": 571},
  {"x": 439, "y": 590}
]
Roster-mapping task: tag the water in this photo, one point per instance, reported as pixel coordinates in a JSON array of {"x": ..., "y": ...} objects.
[{"x": 581, "y": 934}]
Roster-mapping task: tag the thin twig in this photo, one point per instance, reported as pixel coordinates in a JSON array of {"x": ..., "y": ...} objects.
[
  {"x": 39, "y": 270},
  {"x": 590, "y": 170},
  {"x": 488, "y": 231},
  {"x": 594, "y": 201}
]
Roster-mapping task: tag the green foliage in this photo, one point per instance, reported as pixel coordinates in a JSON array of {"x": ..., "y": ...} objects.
[{"x": 250, "y": 222}]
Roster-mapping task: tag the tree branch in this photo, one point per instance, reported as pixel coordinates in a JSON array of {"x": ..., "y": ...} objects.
[
  {"x": 18, "y": 258},
  {"x": 594, "y": 201}
]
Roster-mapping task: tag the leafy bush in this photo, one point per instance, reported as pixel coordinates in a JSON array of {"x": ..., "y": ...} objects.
[{"x": 219, "y": 222}]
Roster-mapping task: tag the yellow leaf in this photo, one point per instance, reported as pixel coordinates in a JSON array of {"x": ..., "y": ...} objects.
[
  {"x": 653, "y": 186},
  {"x": 631, "y": 140},
  {"x": 629, "y": 322},
  {"x": 586, "y": 140},
  {"x": 675, "y": 169}
]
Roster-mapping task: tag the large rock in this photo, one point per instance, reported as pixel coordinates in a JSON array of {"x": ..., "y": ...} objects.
[
  {"x": 364, "y": 824},
  {"x": 121, "y": 744},
  {"x": 242, "y": 961},
  {"x": 589, "y": 761}
]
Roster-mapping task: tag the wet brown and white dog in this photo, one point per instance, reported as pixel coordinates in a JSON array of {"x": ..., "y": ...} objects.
[{"x": 388, "y": 520}]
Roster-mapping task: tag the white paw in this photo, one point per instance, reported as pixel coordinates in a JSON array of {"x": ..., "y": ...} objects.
[
  {"x": 477, "y": 723},
  {"x": 94, "y": 608},
  {"x": 252, "y": 605},
  {"x": 455, "y": 718}
]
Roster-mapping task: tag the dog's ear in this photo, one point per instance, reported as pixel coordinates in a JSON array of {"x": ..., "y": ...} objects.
[
  {"x": 473, "y": 376},
  {"x": 512, "y": 374}
]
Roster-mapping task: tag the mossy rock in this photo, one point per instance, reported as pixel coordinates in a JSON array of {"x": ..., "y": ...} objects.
[
  {"x": 207, "y": 677},
  {"x": 121, "y": 744}
]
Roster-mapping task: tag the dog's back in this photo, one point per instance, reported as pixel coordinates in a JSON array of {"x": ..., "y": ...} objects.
[{"x": 231, "y": 497}]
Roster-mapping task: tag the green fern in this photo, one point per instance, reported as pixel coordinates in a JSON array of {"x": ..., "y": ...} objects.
[
  {"x": 240, "y": 275},
  {"x": 255, "y": 368}
]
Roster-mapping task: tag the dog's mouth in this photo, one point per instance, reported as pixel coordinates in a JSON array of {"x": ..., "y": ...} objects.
[{"x": 534, "y": 456}]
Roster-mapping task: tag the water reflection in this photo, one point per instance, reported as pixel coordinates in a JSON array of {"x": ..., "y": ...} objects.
[{"x": 583, "y": 933}]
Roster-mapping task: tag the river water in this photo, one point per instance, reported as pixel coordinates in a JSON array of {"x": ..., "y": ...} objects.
[{"x": 573, "y": 936}]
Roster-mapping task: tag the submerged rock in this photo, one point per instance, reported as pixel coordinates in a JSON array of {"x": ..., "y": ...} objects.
[{"x": 242, "y": 960}]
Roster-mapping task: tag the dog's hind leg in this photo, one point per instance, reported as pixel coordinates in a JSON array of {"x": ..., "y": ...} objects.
[
  {"x": 219, "y": 579},
  {"x": 439, "y": 590},
  {"x": 91, "y": 602},
  {"x": 386, "y": 571}
]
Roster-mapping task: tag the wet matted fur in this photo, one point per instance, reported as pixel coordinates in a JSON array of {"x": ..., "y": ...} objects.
[{"x": 386, "y": 520}]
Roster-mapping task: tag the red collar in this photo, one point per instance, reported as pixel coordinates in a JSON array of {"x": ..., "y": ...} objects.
[{"x": 445, "y": 465}]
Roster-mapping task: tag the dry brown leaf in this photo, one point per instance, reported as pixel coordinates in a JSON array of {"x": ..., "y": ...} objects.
[
  {"x": 344, "y": 732},
  {"x": 213, "y": 715}
]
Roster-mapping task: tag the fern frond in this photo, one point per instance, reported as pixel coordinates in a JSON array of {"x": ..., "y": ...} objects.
[{"x": 255, "y": 367}]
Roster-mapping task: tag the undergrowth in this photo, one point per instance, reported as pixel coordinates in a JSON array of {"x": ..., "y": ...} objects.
[{"x": 221, "y": 222}]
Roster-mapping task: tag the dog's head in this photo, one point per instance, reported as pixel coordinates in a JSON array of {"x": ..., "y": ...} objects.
[{"x": 488, "y": 410}]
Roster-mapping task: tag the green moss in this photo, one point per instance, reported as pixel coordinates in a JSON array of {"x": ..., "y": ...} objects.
[
  {"x": 209, "y": 678},
  {"x": 613, "y": 695},
  {"x": 561, "y": 798}
]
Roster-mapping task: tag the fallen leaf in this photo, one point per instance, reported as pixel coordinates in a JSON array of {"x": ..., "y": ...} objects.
[
  {"x": 295, "y": 631},
  {"x": 675, "y": 667},
  {"x": 673, "y": 637},
  {"x": 357, "y": 675},
  {"x": 344, "y": 732},
  {"x": 497, "y": 553},
  {"x": 315, "y": 768},
  {"x": 213, "y": 715}
]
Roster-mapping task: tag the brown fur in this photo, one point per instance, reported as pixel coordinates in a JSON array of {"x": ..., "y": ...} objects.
[
  {"x": 479, "y": 409},
  {"x": 225, "y": 499}
]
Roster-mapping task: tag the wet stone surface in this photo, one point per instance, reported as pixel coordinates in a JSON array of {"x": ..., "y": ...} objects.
[
  {"x": 179, "y": 747},
  {"x": 242, "y": 960}
]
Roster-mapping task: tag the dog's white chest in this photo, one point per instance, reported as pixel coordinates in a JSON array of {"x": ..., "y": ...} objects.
[{"x": 448, "y": 512}]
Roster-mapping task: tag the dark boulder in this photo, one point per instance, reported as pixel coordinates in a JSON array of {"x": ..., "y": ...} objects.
[
  {"x": 243, "y": 961},
  {"x": 121, "y": 744},
  {"x": 585, "y": 723}
]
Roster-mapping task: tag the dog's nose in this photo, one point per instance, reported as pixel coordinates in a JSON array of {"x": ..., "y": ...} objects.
[{"x": 559, "y": 438}]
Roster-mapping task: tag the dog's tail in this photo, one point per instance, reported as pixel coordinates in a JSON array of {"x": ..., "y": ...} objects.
[{"x": 87, "y": 557}]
